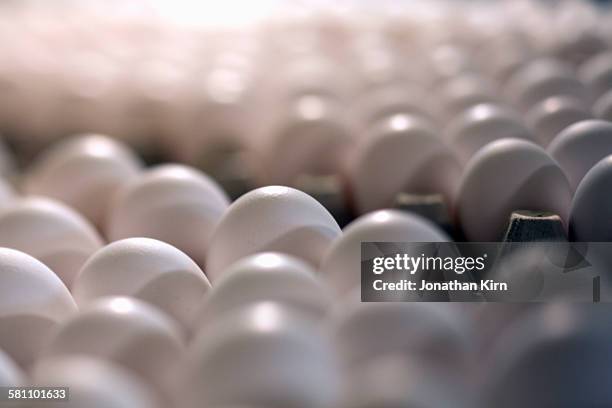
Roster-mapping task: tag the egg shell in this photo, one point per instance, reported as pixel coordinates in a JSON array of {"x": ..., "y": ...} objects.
[
  {"x": 505, "y": 176},
  {"x": 390, "y": 100},
  {"x": 173, "y": 203},
  {"x": 603, "y": 106},
  {"x": 50, "y": 231},
  {"x": 401, "y": 154},
  {"x": 84, "y": 172},
  {"x": 269, "y": 356},
  {"x": 541, "y": 79},
  {"x": 313, "y": 141},
  {"x": 483, "y": 124},
  {"x": 267, "y": 276},
  {"x": 90, "y": 382},
  {"x": 147, "y": 269},
  {"x": 273, "y": 218},
  {"x": 591, "y": 207},
  {"x": 549, "y": 117},
  {"x": 10, "y": 374},
  {"x": 341, "y": 265},
  {"x": 124, "y": 330},
  {"x": 579, "y": 147},
  {"x": 33, "y": 300},
  {"x": 397, "y": 381},
  {"x": 596, "y": 73},
  {"x": 462, "y": 92}
]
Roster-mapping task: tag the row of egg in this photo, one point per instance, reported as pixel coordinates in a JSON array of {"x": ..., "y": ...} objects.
[
  {"x": 269, "y": 334},
  {"x": 205, "y": 315},
  {"x": 218, "y": 345},
  {"x": 231, "y": 83},
  {"x": 106, "y": 182}
]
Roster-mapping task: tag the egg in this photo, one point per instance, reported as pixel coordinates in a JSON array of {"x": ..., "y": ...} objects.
[
  {"x": 312, "y": 140},
  {"x": 33, "y": 300},
  {"x": 11, "y": 375},
  {"x": 268, "y": 356},
  {"x": 126, "y": 331},
  {"x": 172, "y": 203},
  {"x": 341, "y": 264},
  {"x": 482, "y": 124},
  {"x": 596, "y": 73},
  {"x": 603, "y": 106},
  {"x": 462, "y": 92},
  {"x": 50, "y": 231},
  {"x": 92, "y": 383},
  {"x": 267, "y": 276},
  {"x": 431, "y": 334},
  {"x": 149, "y": 270},
  {"x": 590, "y": 209},
  {"x": 385, "y": 101},
  {"x": 536, "y": 362},
  {"x": 397, "y": 381},
  {"x": 549, "y": 117},
  {"x": 84, "y": 172},
  {"x": 504, "y": 176},
  {"x": 273, "y": 218},
  {"x": 541, "y": 79},
  {"x": 402, "y": 153},
  {"x": 580, "y": 146}
]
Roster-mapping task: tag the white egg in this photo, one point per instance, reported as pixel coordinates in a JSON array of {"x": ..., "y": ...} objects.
[
  {"x": 433, "y": 334},
  {"x": 124, "y": 330},
  {"x": 462, "y": 92},
  {"x": 382, "y": 102},
  {"x": 267, "y": 276},
  {"x": 83, "y": 172},
  {"x": 273, "y": 218},
  {"x": 10, "y": 374},
  {"x": 450, "y": 60},
  {"x": 341, "y": 265},
  {"x": 313, "y": 140},
  {"x": 147, "y": 269},
  {"x": 92, "y": 383},
  {"x": 536, "y": 361},
  {"x": 580, "y": 146},
  {"x": 549, "y": 117},
  {"x": 263, "y": 355},
  {"x": 541, "y": 79},
  {"x": 591, "y": 210},
  {"x": 482, "y": 124},
  {"x": 50, "y": 231},
  {"x": 397, "y": 381},
  {"x": 596, "y": 73},
  {"x": 603, "y": 106},
  {"x": 505, "y": 176},
  {"x": 172, "y": 203},
  {"x": 33, "y": 300},
  {"x": 401, "y": 154}
]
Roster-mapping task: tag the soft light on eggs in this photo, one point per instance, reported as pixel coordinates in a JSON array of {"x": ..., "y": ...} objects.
[
  {"x": 173, "y": 203},
  {"x": 273, "y": 218},
  {"x": 33, "y": 301},
  {"x": 147, "y": 269}
]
